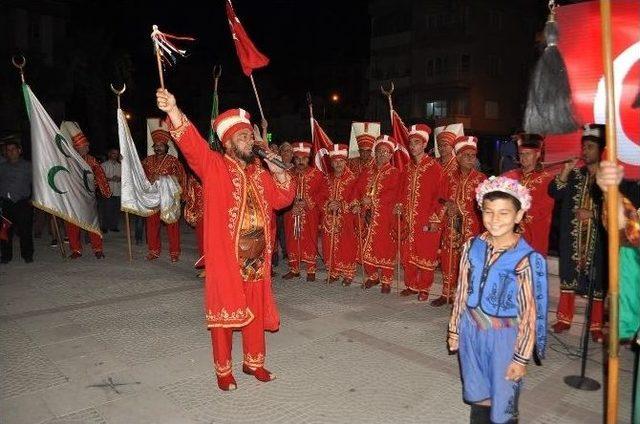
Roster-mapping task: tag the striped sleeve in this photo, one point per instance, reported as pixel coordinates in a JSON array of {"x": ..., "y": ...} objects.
[
  {"x": 461, "y": 291},
  {"x": 526, "y": 338}
]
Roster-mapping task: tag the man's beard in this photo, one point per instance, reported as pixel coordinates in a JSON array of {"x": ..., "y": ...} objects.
[{"x": 245, "y": 157}]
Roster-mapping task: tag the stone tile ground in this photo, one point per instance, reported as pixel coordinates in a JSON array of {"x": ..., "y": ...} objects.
[{"x": 120, "y": 342}]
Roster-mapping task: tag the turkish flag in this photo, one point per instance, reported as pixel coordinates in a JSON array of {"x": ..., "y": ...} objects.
[
  {"x": 250, "y": 57},
  {"x": 580, "y": 44},
  {"x": 321, "y": 146},
  {"x": 400, "y": 134}
]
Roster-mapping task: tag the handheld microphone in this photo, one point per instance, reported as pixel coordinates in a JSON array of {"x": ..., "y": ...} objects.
[{"x": 260, "y": 152}]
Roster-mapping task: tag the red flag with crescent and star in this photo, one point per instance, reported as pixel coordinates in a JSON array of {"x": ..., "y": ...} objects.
[
  {"x": 581, "y": 47},
  {"x": 400, "y": 134},
  {"x": 250, "y": 57},
  {"x": 321, "y": 146}
]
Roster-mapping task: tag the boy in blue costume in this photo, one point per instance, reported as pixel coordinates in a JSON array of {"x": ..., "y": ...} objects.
[{"x": 500, "y": 311}]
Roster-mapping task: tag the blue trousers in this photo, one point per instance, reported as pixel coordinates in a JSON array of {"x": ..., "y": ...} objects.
[{"x": 484, "y": 358}]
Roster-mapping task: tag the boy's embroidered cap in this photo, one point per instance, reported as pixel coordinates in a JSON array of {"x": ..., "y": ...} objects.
[{"x": 505, "y": 185}]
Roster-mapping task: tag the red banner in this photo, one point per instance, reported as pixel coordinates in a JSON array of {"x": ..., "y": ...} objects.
[
  {"x": 581, "y": 46},
  {"x": 250, "y": 57},
  {"x": 400, "y": 134}
]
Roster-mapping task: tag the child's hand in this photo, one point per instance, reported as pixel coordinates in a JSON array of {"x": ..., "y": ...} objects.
[
  {"x": 453, "y": 344},
  {"x": 516, "y": 371}
]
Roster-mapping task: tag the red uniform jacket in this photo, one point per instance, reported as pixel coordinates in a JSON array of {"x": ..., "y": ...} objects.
[{"x": 225, "y": 184}]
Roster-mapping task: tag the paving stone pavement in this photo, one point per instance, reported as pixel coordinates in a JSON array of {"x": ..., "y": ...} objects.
[{"x": 114, "y": 341}]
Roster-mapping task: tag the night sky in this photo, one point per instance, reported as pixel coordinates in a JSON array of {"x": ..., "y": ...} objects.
[{"x": 112, "y": 39}]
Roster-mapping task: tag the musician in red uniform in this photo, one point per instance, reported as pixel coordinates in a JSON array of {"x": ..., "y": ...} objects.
[
  {"x": 302, "y": 220},
  {"x": 156, "y": 165},
  {"x": 378, "y": 191},
  {"x": 537, "y": 221},
  {"x": 81, "y": 144},
  {"x": 462, "y": 212},
  {"x": 239, "y": 197},
  {"x": 446, "y": 140},
  {"x": 421, "y": 214},
  {"x": 339, "y": 227}
]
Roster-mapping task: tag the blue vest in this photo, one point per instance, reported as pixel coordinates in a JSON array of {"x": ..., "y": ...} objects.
[{"x": 494, "y": 289}]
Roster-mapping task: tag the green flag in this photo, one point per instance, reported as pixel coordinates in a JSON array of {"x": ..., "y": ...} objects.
[{"x": 214, "y": 143}]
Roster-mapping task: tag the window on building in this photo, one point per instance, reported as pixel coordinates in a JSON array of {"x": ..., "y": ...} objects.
[
  {"x": 491, "y": 109},
  {"x": 462, "y": 106},
  {"x": 430, "y": 68},
  {"x": 465, "y": 63},
  {"x": 445, "y": 66},
  {"x": 437, "y": 109},
  {"x": 438, "y": 66}
]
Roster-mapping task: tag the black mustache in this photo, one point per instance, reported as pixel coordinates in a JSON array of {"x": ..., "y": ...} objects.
[{"x": 260, "y": 152}]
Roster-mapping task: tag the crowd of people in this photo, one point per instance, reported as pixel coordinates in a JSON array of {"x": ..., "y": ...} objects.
[{"x": 489, "y": 237}]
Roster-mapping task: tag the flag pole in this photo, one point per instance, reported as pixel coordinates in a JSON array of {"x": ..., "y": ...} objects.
[
  {"x": 20, "y": 66},
  {"x": 255, "y": 91},
  {"x": 118, "y": 93},
  {"x": 612, "y": 216},
  {"x": 63, "y": 253},
  {"x": 156, "y": 47}
]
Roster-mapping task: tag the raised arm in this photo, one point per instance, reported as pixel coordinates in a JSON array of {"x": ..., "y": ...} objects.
[{"x": 192, "y": 145}]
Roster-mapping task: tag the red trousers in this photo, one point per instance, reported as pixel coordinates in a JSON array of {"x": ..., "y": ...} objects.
[
  {"x": 75, "y": 242},
  {"x": 566, "y": 308},
  {"x": 253, "y": 340},
  {"x": 417, "y": 279},
  {"x": 153, "y": 236},
  {"x": 385, "y": 275},
  {"x": 450, "y": 265}
]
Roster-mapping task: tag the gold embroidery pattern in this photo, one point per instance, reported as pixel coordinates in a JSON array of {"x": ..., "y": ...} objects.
[
  {"x": 237, "y": 177},
  {"x": 254, "y": 362},
  {"x": 225, "y": 319},
  {"x": 413, "y": 197},
  {"x": 223, "y": 369},
  {"x": 178, "y": 132},
  {"x": 373, "y": 188},
  {"x": 583, "y": 234}
]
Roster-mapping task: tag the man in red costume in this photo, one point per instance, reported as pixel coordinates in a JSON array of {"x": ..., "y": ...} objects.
[
  {"x": 339, "y": 227},
  {"x": 378, "y": 191},
  {"x": 365, "y": 148},
  {"x": 239, "y": 198},
  {"x": 302, "y": 220},
  {"x": 156, "y": 165},
  {"x": 421, "y": 210},
  {"x": 445, "y": 141},
  {"x": 81, "y": 144},
  {"x": 537, "y": 221},
  {"x": 463, "y": 216}
]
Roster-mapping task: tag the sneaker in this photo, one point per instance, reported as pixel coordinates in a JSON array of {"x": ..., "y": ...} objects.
[
  {"x": 54, "y": 243},
  {"x": 99, "y": 255}
]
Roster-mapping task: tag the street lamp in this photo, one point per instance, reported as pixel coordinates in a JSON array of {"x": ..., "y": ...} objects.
[{"x": 335, "y": 97}]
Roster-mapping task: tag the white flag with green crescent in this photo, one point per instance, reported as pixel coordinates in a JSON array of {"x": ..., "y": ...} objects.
[{"x": 63, "y": 183}]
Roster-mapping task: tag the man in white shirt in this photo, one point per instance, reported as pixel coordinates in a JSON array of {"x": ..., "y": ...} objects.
[{"x": 112, "y": 170}]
